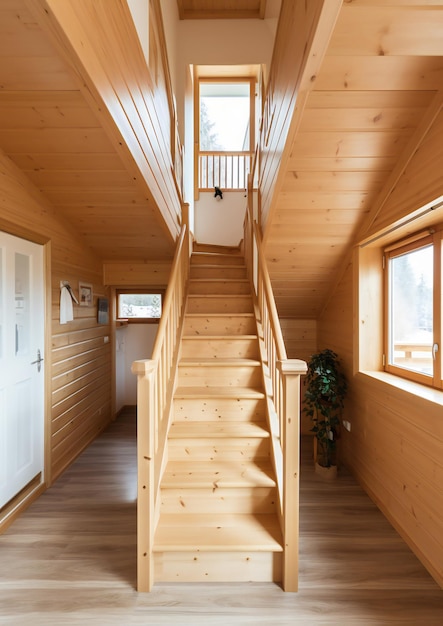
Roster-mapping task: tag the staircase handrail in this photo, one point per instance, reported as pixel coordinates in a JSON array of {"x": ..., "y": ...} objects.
[
  {"x": 155, "y": 387},
  {"x": 282, "y": 383}
]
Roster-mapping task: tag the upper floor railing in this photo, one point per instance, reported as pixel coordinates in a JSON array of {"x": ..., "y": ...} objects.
[{"x": 227, "y": 170}]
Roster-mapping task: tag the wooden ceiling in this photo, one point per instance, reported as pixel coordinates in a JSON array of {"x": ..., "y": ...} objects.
[
  {"x": 378, "y": 89},
  {"x": 221, "y": 9},
  {"x": 54, "y": 135}
]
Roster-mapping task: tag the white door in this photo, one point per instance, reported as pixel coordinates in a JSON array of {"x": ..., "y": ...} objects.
[{"x": 21, "y": 364}]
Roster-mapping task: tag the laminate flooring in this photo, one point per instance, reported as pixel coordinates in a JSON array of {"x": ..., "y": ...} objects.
[{"x": 70, "y": 559}]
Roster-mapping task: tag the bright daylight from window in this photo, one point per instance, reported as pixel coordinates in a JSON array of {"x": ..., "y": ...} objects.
[
  {"x": 224, "y": 116},
  {"x": 139, "y": 305},
  {"x": 411, "y": 310}
]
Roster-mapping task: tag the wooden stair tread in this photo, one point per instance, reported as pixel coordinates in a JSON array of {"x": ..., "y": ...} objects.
[
  {"x": 199, "y": 430},
  {"x": 238, "y": 393},
  {"x": 217, "y": 474},
  {"x": 218, "y": 266},
  {"x": 218, "y": 533},
  {"x": 215, "y": 361},
  {"x": 221, "y": 314},
  {"x": 219, "y": 337},
  {"x": 218, "y": 280},
  {"x": 221, "y": 297}
]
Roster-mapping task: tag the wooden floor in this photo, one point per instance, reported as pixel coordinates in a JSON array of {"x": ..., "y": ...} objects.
[{"x": 71, "y": 559}]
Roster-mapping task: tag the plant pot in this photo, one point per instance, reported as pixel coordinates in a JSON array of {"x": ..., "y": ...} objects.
[{"x": 327, "y": 473}]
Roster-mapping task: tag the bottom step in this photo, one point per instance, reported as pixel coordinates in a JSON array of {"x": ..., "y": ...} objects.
[
  {"x": 217, "y": 567},
  {"x": 217, "y": 548}
]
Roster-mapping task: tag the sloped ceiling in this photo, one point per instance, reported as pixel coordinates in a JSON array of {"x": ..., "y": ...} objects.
[
  {"x": 54, "y": 135},
  {"x": 370, "y": 105}
]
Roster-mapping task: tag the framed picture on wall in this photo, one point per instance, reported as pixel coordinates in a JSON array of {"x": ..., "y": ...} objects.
[
  {"x": 85, "y": 294},
  {"x": 103, "y": 310}
]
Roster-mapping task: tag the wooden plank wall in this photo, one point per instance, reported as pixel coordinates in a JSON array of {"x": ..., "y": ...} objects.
[
  {"x": 113, "y": 66},
  {"x": 300, "y": 337},
  {"x": 296, "y": 28},
  {"x": 396, "y": 441},
  {"x": 146, "y": 274},
  {"x": 80, "y": 360}
]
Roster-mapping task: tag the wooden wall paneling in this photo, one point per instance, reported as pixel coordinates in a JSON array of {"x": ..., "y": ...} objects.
[
  {"x": 24, "y": 211},
  {"x": 350, "y": 200},
  {"x": 344, "y": 73},
  {"x": 356, "y": 144},
  {"x": 420, "y": 182},
  {"x": 410, "y": 497},
  {"x": 115, "y": 73},
  {"x": 339, "y": 163},
  {"x": 302, "y": 36},
  {"x": 300, "y": 337},
  {"x": 45, "y": 109},
  {"x": 385, "y": 100},
  {"x": 388, "y": 31},
  {"x": 394, "y": 447},
  {"x": 123, "y": 273}
]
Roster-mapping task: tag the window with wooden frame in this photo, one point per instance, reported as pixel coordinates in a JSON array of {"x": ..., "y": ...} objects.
[
  {"x": 139, "y": 305},
  {"x": 225, "y": 132},
  {"x": 413, "y": 310}
]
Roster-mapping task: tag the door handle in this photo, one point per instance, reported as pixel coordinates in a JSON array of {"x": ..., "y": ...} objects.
[{"x": 38, "y": 361}]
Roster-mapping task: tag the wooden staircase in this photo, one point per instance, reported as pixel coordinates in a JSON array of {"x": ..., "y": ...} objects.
[{"x": 218, "y": 515}]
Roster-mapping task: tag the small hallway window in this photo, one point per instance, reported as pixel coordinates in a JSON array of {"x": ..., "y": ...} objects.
[{"x": 138, "y": 305}]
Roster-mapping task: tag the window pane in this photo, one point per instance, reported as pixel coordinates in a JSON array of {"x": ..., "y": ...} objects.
[
  {"x": 139, "y": 305},
  {"x": 411, "y": 310},
  {"x": 224, "y": 116},
  {"x": 22, "y": 304}
]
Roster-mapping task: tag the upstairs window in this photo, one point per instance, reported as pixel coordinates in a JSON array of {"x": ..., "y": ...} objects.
[
  {"x": 226, "y": 124},
  {"x": 224, "y": 116},
  {"x": 413, "y": 312}
]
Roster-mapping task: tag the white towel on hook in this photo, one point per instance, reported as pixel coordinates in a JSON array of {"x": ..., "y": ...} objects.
[{"x": 66, "y": 308}]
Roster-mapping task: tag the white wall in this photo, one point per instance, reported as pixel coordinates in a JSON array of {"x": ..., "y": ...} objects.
[
  {"x": 218, "y": 221},
  {"x": 133, "y": 342}
]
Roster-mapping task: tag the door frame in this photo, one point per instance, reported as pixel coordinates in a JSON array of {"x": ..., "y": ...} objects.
[{"x": 32, "y": 491}]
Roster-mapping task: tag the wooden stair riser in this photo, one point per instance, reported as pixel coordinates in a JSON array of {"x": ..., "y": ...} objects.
[
  {"x": 230, "y": 287},
  {"x": 219, "y": 375},
  {"x": 218, "y": 533},
  {"x": 216, "y": 259},
  {"x": 204, "y": 325},
  {"x": 247, "y": 501},
  {"x": 219, "y": 304},
  {"x": 194, "y": 567},
  {"x": 218, "y": 474},
  {"x": 210, "y": 272},
  {"x": 220, "y": 347},
  {"x": 219, "y": 409},
  {"x": 238, "y": 449}
]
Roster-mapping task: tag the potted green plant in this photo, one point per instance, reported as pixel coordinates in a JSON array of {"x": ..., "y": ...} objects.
[{"x": 326, "y": 388}]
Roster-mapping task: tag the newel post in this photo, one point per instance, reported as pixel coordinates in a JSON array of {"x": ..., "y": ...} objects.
[
  {"x": 290, "y": 372},
  {"x": 145, "y": 372}
]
